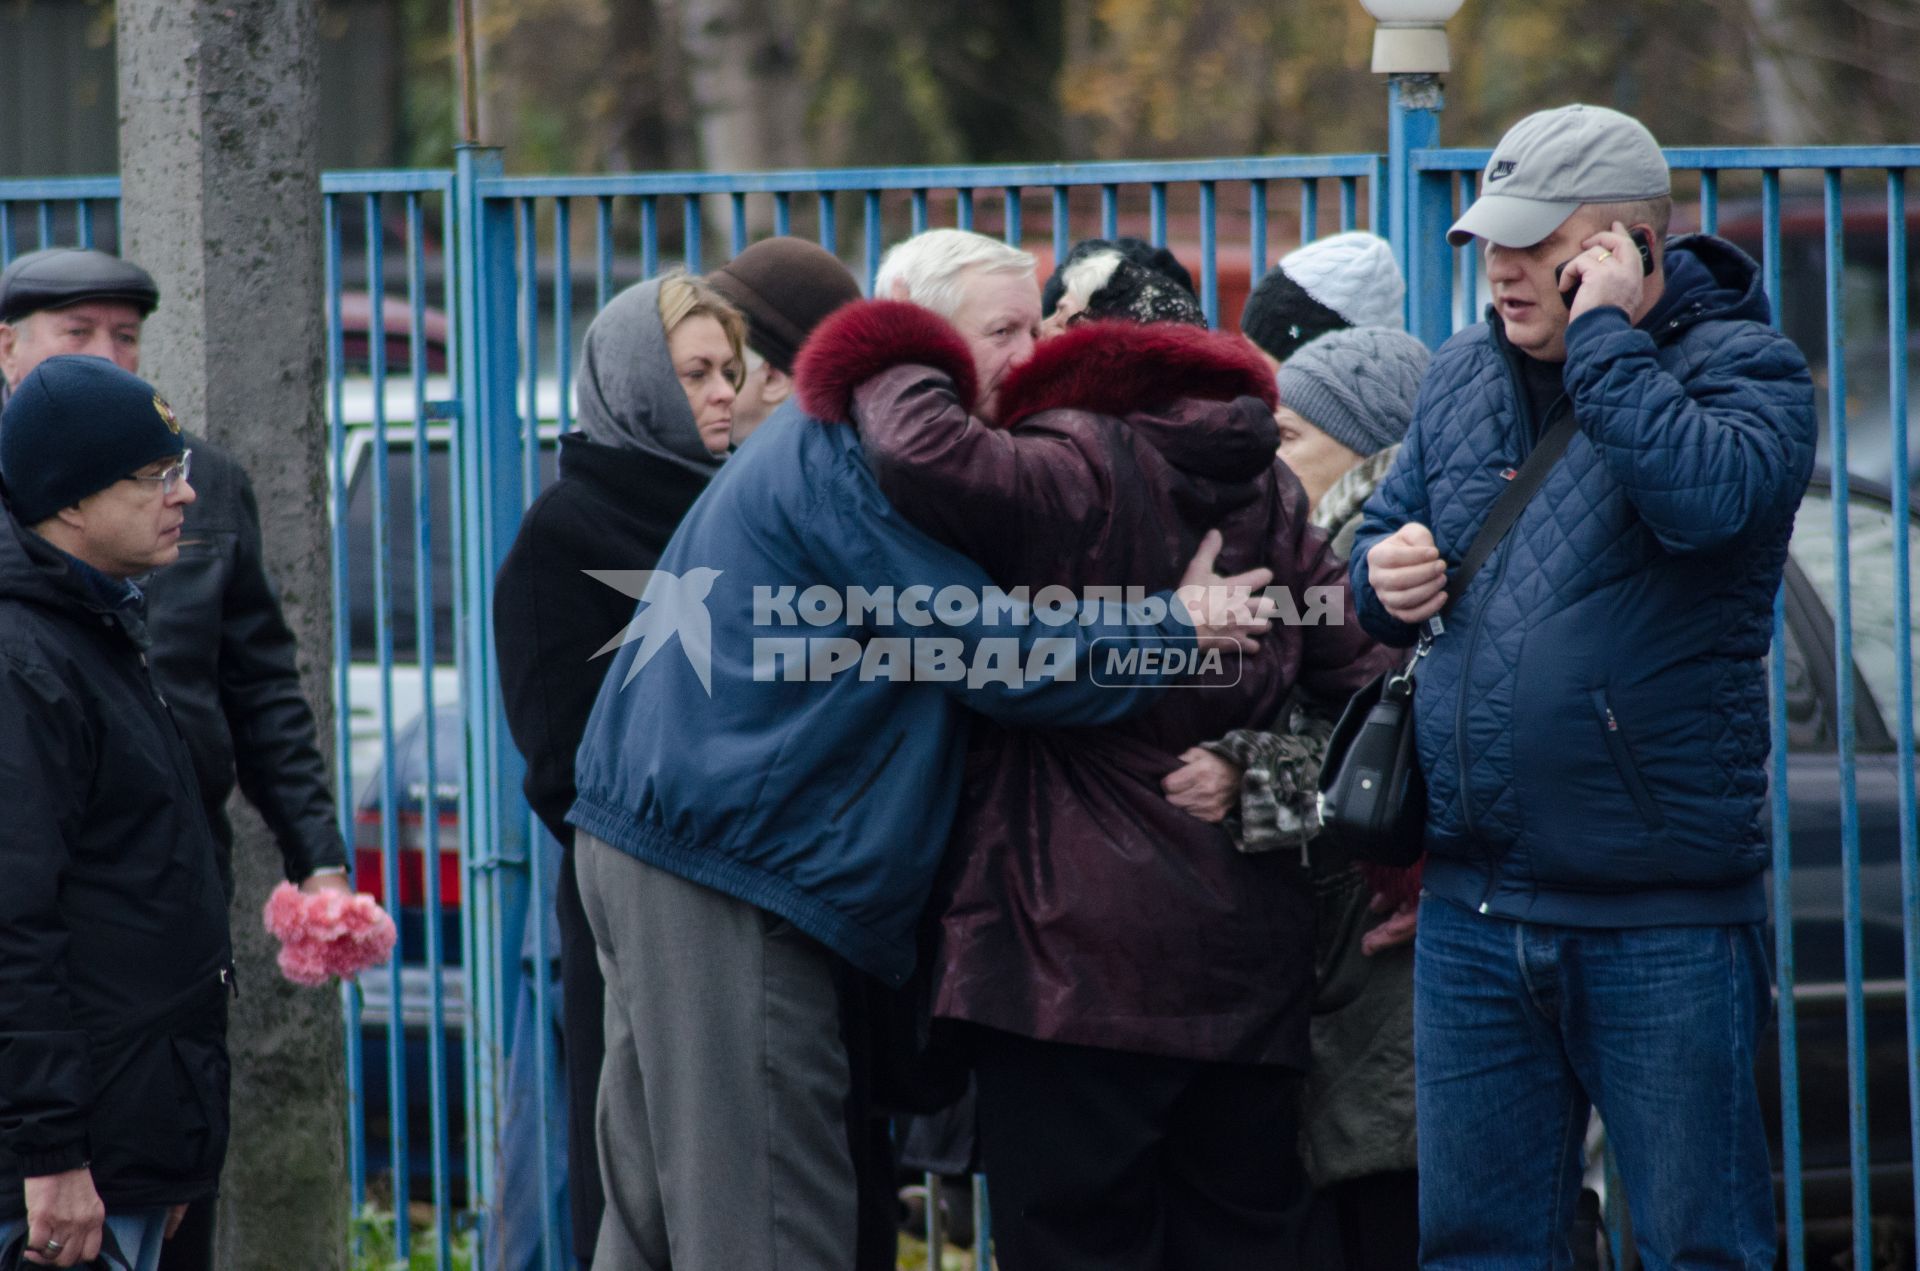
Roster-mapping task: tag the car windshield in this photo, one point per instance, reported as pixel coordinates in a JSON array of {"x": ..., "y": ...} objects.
[{"x": 1870, "y": 543}]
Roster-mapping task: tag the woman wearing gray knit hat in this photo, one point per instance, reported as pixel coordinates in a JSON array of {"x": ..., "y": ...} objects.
[{"x": 1345, "y": 402}]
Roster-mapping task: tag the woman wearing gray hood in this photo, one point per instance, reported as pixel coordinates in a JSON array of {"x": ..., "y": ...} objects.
[{"x": 661, "y": 365}]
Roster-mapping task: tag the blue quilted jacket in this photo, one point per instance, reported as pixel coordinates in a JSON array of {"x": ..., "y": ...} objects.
[{"x": 1592, "y": 722}]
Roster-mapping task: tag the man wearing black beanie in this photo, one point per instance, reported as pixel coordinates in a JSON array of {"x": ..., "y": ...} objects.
[{"x": 115, "y": 964}]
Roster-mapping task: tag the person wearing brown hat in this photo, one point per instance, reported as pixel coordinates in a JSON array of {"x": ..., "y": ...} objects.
[{"x": 784, "y": 286}]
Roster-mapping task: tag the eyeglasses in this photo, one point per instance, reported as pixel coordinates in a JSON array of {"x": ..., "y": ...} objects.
[{"x": 170, "y": 478}]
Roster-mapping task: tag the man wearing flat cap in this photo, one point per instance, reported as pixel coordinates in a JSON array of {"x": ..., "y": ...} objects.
[
  {"x": 221, "y": 650},
  {"x": 1592, "y": 713},
  {"x": 115, "y": 965}
]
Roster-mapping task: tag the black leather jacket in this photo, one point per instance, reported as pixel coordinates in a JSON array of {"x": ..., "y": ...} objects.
[{"x": 225, "y": 658}]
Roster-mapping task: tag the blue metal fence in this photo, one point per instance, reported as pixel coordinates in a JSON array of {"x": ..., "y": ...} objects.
[{"x": 516, "y": 264}]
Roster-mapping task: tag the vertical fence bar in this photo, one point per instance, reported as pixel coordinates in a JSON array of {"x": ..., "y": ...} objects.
[
  {"x": 83, "y": 222},
  {"x": 649, "y": 236},
  {"x": 6, "y": 232},
  {"x": 46, "y": 223},
  {"x": 1209, "y": 250},
  {"x": 1309, "y": 210},
  {"x": 343, "y": 695},
  {"x": 1377, "y": 196},
  {"x": 562, "y": 312},
  {"x": 539, "y": 845},
  {"x": 458, "y": 503},
  {"x": 1013, "y": 230},
  {"x": 963, "y": 211},
  {"x": 829, "y": 224},
  {"x": 1349, "y": 203},
  {"x": 492, "y": 837},
  {"x": 782, "y": 212},
  {"x": 1109, "y": 211},
  {"x": 1158, "y": 213},
  {"x": 919, "y": 211},
  {"x": 738, "y": 241},
  {"x": 1897, "y": 326},
  {"x": 874, "y": 232},
  {"x": 1429, "y": 280},
  {"x": 1709, "y": 202},
  {"x": 603, "y": 252},
  {"x": 1783, "y": 948},
  {"x": 1783, "y": 934},
  {"x": 529, "y": 347},
  {"x": 389, "y": 788},
  {"x": 1844, "y": 709},
  {"x": 1770, "y": 238},
  {"x": 692, "y": 229},
  {"x": 1256, "y": 233},
  {"x": 1466, "y": 265},
  {"x": 425, "y": 636},
  {"x": 982, "y": 1226},
  {"x": 538, "y": 903},
  {"x": 1062, "y": 227}
]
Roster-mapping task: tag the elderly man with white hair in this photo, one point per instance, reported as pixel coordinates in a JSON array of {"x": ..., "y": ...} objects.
[
  {"x": 985, "y": 288},
  {"x": 761, "y": 811}
]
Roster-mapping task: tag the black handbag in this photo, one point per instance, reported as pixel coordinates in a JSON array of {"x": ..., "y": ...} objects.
[{"x": 1373, "y": 798}]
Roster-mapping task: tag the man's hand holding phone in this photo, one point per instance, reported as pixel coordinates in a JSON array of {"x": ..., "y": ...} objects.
[{"x": 1611, "y": 269}]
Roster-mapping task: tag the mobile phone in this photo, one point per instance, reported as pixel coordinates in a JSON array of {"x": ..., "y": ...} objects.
[{"x": 1641, "y": 240}]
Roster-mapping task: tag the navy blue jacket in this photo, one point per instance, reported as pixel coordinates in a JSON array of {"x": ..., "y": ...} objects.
[
  {"x": 825, "y": 801},
  {"x": 1593, "y": 721}
]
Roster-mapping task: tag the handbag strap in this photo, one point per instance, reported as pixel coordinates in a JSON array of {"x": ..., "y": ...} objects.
[{"x": 1512, "y": 501}]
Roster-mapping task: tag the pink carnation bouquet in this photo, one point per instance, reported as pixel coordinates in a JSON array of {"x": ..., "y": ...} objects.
[{"x": 327, "y": 934}]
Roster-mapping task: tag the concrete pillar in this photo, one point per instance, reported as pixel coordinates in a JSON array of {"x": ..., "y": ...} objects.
[{"x": 221, "y": 201}]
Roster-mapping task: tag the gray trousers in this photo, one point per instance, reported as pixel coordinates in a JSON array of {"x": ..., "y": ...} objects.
[{"x": 721, "y": 1120}]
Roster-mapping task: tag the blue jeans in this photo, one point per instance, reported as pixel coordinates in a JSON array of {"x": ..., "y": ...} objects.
[
  {"x": 1519, "y": 1029},
  {"x": 132, "y": 1242}
]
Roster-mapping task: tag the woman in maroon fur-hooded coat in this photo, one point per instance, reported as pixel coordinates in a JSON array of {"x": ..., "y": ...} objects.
[{"x": 1081, "y": 909}]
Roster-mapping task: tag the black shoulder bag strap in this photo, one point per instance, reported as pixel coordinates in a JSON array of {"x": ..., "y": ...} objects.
[{"x": 1506, "y": 510}]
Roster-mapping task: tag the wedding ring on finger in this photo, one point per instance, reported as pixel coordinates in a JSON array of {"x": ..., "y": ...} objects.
[
  {"x": 52, "y": 1247},
  {"x": 1604, "y": 253}
]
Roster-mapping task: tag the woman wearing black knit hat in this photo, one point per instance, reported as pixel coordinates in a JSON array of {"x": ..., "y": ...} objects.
[{"x": 1330, "y": 284}]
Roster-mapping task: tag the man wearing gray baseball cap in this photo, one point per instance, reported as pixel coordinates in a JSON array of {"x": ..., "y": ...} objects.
[{"x": 1592, "y": 709}]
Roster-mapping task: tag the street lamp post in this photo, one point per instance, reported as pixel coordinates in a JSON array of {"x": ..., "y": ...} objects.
[{"x": 1410, "y": 48}]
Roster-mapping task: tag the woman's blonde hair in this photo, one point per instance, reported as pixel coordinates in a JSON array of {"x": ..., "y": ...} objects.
[{"x": 684, "y": 296}]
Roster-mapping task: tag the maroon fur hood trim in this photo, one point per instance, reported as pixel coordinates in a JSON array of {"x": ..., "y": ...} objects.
[
  {"x": 860, "y": 340},
  {"x": 1119, "y": 367},
  {"x": 1107, "y": 368}
]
